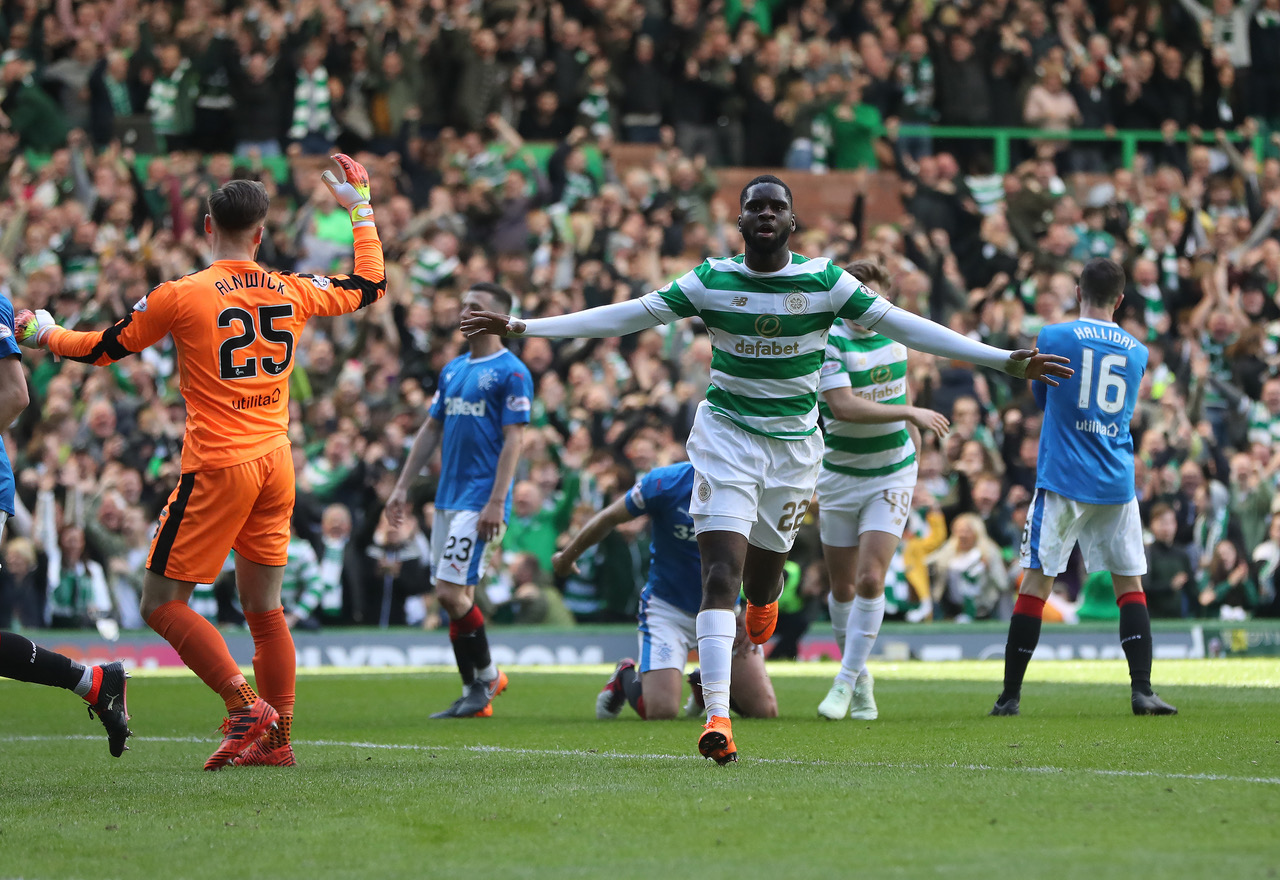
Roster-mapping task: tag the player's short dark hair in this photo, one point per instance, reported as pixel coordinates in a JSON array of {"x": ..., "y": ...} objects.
[
  {"x": 765, "y": 178},
  {"x": 239, "y": 205},
  {"x": 1101, "y": 282},
  {"x": 501, "y": 296}
]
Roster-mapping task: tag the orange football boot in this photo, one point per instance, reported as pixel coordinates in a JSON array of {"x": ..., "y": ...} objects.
[
  {"x": 716, "y": 741},
  {"x": 240, "y": 731},
  {"x": 495, "y": 687},
  {"x": 262, "y": 755}
]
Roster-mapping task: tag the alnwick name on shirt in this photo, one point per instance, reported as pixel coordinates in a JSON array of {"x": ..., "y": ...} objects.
[
  {"x": 248, "y": 279},
  {"x": 257, "y": 400},
  {"x": 1104, "y": 334}
]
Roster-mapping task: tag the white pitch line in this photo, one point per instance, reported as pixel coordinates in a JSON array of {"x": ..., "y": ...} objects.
[{"x": 585, "y": 753}]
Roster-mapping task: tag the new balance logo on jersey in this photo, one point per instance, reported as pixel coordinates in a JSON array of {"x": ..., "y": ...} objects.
[
  {"x": 762, "y": 348},
  {"x": 456, "y": 406},
  {"x": 739, "y": 301}
]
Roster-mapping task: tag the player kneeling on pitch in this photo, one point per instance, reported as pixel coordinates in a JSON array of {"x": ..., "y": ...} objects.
[
  {"x": 1084, "y": 485},
  {"x": 669, "y": 606}
]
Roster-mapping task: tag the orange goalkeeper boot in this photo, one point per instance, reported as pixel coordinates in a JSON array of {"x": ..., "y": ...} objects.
[{"x": 240, "y": 731}]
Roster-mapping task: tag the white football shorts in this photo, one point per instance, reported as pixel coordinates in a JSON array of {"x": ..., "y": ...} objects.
[
  {"x": 757, "y": 486},
  {"x": 847, "y": 507},
  {"x": 458, "y": 556},
  {"x": 1110, "y": 535}
]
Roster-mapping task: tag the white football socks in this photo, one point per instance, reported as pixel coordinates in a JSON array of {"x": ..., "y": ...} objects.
[
  {"x": 716, "y": 629},
  {"x": 840, "y": 612},
  {"x": 863, "y": 628}
]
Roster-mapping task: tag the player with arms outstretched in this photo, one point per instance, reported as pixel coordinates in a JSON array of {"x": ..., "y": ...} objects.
[
  {"x": 477, "y": 417},
  {"x": 235, "y": 326},
  {"x": 872, "y": 433},
  {"x": 755, "y": 445},
  {"x": 103, "y": 686},
  {"x": 1085, "y": 487},
  {"x": 669, "y": 604}
]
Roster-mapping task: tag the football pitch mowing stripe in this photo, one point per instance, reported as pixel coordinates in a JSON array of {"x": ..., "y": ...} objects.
[{"x": 1076, "y": 787}]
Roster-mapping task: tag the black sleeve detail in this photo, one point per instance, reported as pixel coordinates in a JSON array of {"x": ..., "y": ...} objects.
[
  {"x": 370, "y": 291},
  {"x": 110, "y": 344}
]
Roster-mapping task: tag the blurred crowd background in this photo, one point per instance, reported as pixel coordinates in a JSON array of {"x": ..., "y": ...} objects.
[{"x": 502, "y": 141}]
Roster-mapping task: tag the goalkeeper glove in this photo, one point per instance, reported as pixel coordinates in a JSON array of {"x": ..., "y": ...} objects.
[
  {"x": 352, "y": 191},
  {"x": 32, "y": 328}
]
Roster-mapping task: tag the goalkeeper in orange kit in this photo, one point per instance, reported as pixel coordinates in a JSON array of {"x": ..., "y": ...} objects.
[{"x": 235, "y": 326}]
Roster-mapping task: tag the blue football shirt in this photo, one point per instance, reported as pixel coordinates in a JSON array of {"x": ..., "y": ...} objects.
[
  {"x": 475, "y": 400},
  {"x": 1086, "y": 450},
  {"x": 675, "y": 566},
  {"x": 8, "y": 348}
]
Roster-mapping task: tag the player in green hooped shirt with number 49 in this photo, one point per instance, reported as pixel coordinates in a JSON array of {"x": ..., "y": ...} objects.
[{"x": 755, "y": 446}]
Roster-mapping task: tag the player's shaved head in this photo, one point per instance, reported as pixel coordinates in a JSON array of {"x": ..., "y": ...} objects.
[
  {"x": 239, "y": 206},
  {"x": 501, "y": 297},
  {"x": 1101, "y": 282}
]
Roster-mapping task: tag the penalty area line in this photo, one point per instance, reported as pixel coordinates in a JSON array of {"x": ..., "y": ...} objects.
[{"x": 627, "y": 756}]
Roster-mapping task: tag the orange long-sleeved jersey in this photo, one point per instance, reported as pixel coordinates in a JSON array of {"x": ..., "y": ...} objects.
[{"x": 235, "y": 326}]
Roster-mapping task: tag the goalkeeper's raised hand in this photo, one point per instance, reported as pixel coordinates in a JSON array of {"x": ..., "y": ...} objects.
[
  {"x": 352, "y": 190},
  {"x": 32, "y": 328}
]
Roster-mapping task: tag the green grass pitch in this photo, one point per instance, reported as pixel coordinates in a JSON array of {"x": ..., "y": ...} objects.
[{"x": 1076, "y": 787}]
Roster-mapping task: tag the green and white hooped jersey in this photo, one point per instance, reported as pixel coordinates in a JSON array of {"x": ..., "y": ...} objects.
[
  {"x": 768, "y": 335},
  {"x": 875, "y": 367}
]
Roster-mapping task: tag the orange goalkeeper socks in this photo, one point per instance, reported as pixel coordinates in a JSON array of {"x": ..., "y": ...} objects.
[
  {"x": 203, "y": 650},
  {"x": 275, "y": 663}
]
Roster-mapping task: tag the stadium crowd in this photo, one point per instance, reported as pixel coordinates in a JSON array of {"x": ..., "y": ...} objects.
[{"x": 121, "y": 117}]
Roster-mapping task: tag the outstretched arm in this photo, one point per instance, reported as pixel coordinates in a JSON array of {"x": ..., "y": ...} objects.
[
  {"x": 924, "y": 335},
  {"x": 616, "y": 319},
  {"x": 145, "y": 325},
  {"x": 593, "y": 532}
]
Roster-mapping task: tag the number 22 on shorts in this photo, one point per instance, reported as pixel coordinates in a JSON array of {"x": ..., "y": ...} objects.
[{"x": 792, "y": 516}]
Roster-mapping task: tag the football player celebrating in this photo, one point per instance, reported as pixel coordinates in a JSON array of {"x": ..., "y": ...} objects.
[
  {"x": 235, "y": 326},
  {"x": 872, "y": 433},
  {"x": 755, "y": 445}
]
